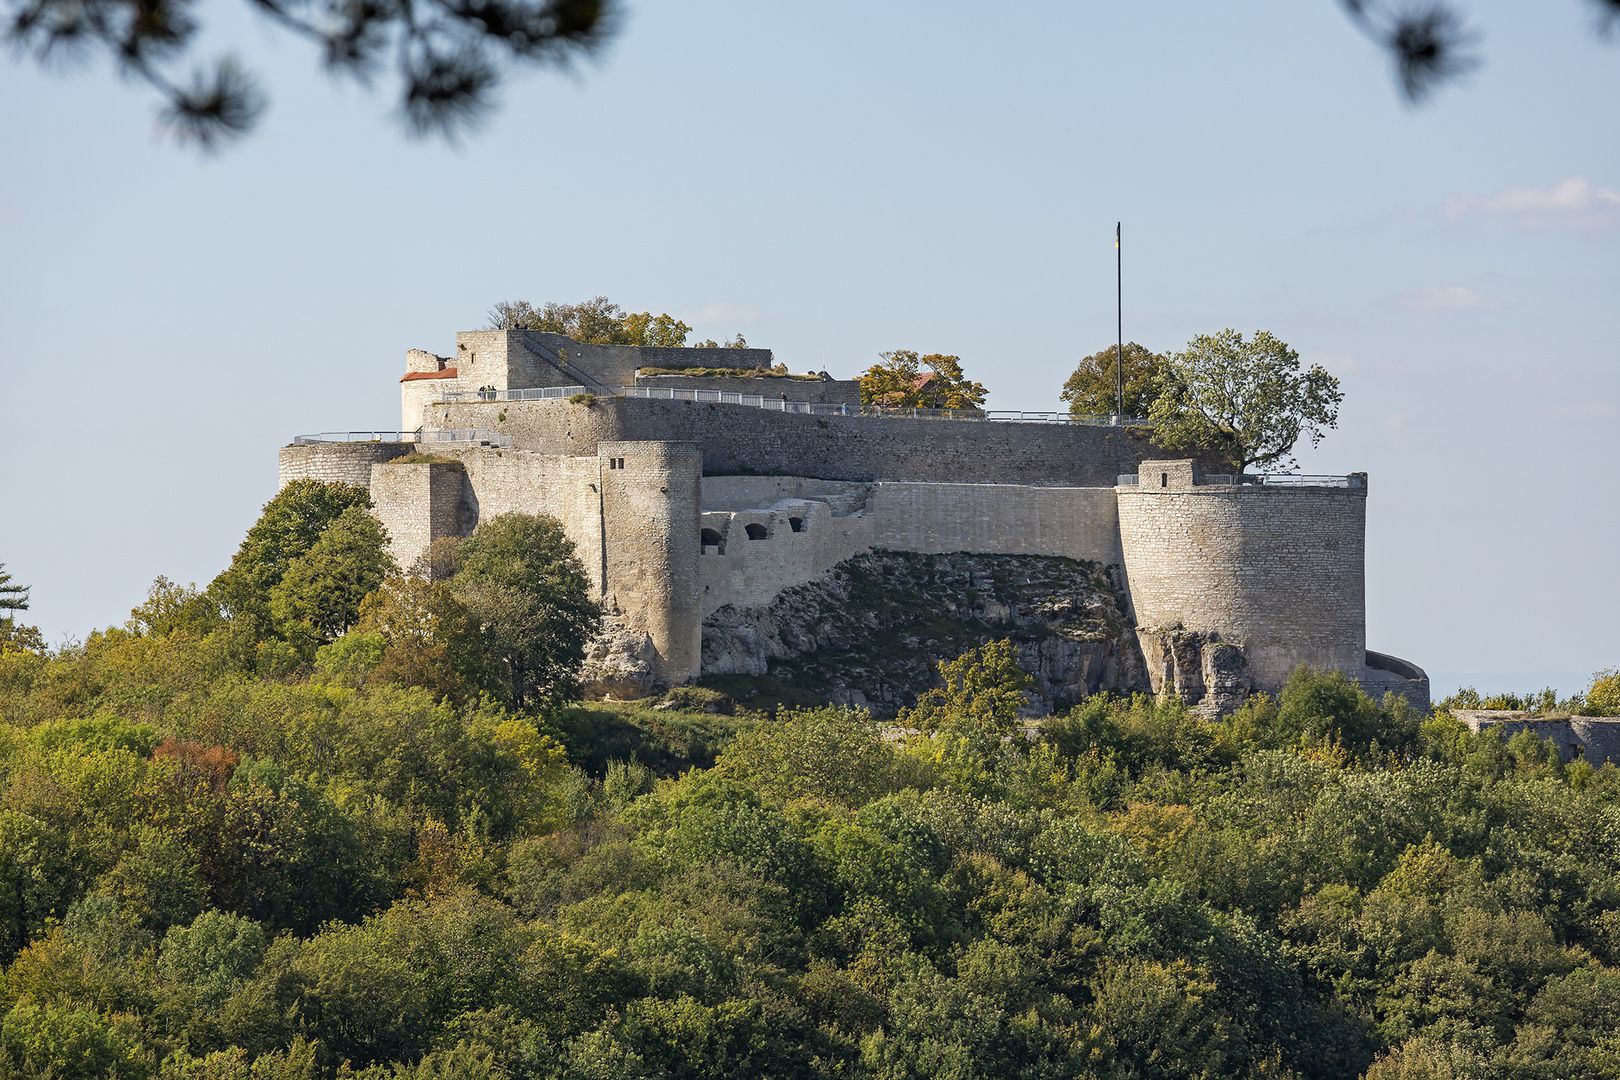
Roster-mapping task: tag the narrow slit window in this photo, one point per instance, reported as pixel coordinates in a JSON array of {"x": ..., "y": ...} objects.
[{"x": 1164, "y": 479}]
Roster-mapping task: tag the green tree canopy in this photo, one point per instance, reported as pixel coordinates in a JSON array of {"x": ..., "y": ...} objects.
[
  {"x": 901, "y": 382},
  {"x": 1248, "y": 399},
  {"x": 288, "y": 527},
  {"x": 319, "y": 596},
  {"x": 1093, "y": 389},
  {"x": 983, "y": 688},
  {"x": 12, "y": 598},
  {"x": 598, "y": 321},
  {"x": 523, "y": 583}
]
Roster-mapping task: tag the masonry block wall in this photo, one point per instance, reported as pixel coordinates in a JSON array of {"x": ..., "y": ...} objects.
[
  {"x": 749, "y": 556},
  {"x": 336, "y": 463},
  {"x": 1277, "y": 571},
  {"x": 651, "y": 495},
  {"x": 417, "y": 504},
  {"x": 1000, "y": 519},
  {"x": 740, "y": 439}
]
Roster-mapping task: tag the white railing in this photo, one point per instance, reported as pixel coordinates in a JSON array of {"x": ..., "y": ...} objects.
[
  {"x": 1354, "y": 480},
  {"x": 468, "y": 435},
  {"x": 477, "y": 436},
  {"x": 804, "y": 408},
  {"x": 355, "y": 436}
]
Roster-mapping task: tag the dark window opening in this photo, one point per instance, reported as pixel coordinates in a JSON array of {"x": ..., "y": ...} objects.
[
  {"x": 797, "y": 524},
  {"x": 714, "y": 540},
  {"x": 756, "y": 532},
  {"x": 1164, "y": 479}
]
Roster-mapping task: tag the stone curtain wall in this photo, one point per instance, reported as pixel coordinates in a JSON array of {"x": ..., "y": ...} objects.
[
  {"x": 1001, "y": 519},
  {"x": 739, "y": 439},
  {"x": 1278, "y": 571},
  {"x": 749, "y": 573},
  {"x": 417, "y": 504},
  {"x": 339, "y": 463},
  {"x": 1596, "y": 739},
  {"x": 500, "y": 358}
]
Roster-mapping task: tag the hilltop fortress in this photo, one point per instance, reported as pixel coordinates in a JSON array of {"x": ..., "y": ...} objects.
[{"x": 687, "y": 494}]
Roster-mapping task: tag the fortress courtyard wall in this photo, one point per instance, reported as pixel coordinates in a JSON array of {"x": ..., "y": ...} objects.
[{"x": 740, "y": 439}]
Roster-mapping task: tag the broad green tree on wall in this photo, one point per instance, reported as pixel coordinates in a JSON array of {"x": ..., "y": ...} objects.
[
  {"x": 1247, "y": 399},
  {"x": 1093, "y": 389}
]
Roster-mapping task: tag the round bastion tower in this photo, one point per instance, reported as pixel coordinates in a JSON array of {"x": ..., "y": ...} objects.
[
  {"x": 1274, "y": 569},
  {"x": 651, "y": 518}
]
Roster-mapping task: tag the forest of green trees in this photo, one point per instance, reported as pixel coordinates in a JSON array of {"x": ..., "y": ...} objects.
[{"x": 319, "y": 820}]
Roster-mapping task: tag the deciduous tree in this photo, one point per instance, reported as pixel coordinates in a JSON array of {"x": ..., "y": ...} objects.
[
  {"x": 598, "y": 321},
  {"x": 900, "y": 382},
  {"x": 521, "y": 579},
  {"x": 1093, "y": 389},
  {"x": 1248, "y": 399},
  {"x": 319, "y": 596}
]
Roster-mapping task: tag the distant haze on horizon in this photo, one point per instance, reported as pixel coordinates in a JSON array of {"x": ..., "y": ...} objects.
[{"x": 833, "y": 181}]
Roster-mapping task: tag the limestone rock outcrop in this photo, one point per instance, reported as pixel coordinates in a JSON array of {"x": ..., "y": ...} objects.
[
  {"x": 619, "y": 663},
  {"x": 1205, "y": 672},
  {"x": 871, "y": 630}
]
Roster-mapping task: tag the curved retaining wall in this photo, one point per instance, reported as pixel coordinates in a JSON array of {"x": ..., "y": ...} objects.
[
  {"x": 1277, "y": 571},
  {"x": 335, "y": 462}
]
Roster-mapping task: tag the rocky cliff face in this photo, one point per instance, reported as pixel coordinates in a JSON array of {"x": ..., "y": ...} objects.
[{"x": 871, "y": 630}]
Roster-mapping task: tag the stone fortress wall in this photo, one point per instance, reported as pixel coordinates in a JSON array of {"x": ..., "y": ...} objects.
[
  {"x": 1279, "y": 569},
  {"x": 680, "y": 508},
  {"x": 1595, "y": 739}
]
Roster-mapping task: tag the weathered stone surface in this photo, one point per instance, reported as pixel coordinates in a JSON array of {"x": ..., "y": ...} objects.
[
  {"x": 1594, "y": 738},
  {"x": 619, "y": 663},
  {"x": 872, "y": 630},
  {"x": 1205, "y": 672}
]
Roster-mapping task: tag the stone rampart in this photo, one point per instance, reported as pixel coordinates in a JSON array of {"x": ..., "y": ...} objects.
[
  {"x": 739, "y": 439},
  {"x": 749, "y": 556},
  {"x": 417, "y": 504},
  {"x": 508, "y": 360},
  {"x": 1277, "y": 571},
  {"x": 1593, "y": 738},
  {"x": 998, "y": 519},
  {"x": 336, "y": 462}
]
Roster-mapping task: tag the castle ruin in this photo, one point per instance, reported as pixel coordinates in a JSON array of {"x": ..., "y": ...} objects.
[{"x": 688, "y": 494}]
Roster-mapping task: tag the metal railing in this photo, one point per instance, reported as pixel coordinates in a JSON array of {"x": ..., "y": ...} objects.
[
  {"x": 533, "y": 393},
  {"x": 1353, "y": 480},
  {"x": 803, "y": 408},
  {"x": 477, "y": 436},
  {"x": 355, "y": 436}
]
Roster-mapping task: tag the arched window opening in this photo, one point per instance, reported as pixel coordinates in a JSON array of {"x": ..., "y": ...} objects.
[
  {"x": 756, "y": 532},
  {"x": 797, "y": 524},
  {"x": 714, "y": 540}
]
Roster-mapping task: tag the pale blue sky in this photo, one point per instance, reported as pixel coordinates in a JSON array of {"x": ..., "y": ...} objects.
[{"x": 832, "y": 180}]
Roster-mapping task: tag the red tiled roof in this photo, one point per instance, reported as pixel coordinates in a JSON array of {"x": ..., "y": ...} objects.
[{"x": 447, "y": 373}]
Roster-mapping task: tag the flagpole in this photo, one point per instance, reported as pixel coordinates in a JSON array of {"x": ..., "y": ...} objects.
[{"x": 1119, "y": 279}]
